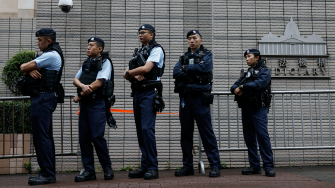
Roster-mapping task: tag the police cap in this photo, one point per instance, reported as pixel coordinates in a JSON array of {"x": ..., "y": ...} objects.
[
  {"x": 98, "y": 40},
  {"x": 45, "y": 32},
  {"x": 147, "y": 27},
  {"x": 253, "y": 51},
  {"x": 193, "y": 32}
]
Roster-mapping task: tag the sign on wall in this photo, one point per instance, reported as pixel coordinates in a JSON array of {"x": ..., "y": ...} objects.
[{"x": 294, "y": 56}]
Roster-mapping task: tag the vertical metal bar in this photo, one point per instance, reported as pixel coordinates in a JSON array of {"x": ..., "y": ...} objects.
[
  {"x": 13, "y": 126},
  {"x": 284, "y": 119},
  {"x": 228, "y": 122},
  {"x": 61, "y": 126},
  {"x": 302, "y": 121},
  {"x": 320, "y": 120},
  {"x": 330, "y": 122},
  {"x": 274, "y": 116},
  {"x": 292, "y": 120},
  {"x": 200, "y": 146},
  {"x": 3, "y": 127},
  {"x": 238, "y": 128},
  {"x": 22, "y": 127},
  {"x": 219, "y": 119},
  {"x": 310, "y": 113},
  {"x": 71, "y": 125}
]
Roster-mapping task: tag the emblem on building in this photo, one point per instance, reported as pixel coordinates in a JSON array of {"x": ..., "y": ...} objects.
[{"x": 294, "y": 55}]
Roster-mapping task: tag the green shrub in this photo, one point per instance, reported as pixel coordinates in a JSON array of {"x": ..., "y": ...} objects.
[
  {"x": 11, "y": 72},
  {"x": 17, "y": 116}
]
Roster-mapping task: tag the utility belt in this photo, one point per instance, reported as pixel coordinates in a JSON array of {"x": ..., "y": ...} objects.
[{"x": 254, "y": 102}]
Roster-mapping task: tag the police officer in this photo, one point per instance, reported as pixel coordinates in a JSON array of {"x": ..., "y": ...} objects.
[
  {"x": 193, "y": 74},
  {"x": 94, "y": 72},
  {"x": 144, "y": 72},
  {"x": 253, "y": 94},
  {"x": 45, "y": 74}
]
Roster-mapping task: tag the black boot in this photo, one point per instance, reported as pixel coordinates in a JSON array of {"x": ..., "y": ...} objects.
[
  {"x": 41, "y": 180},
  {"x": 215, "y": 172},
  {"x": 151, "y": 174},
  {"x": 137, "y": 174},
  {"x": 108, "y": 174},
  {"x": 85, "y": 176},
  {"x": 270, "y": 173},
  {"x": 184, "y": 171},
  {"x": 250, "y": 171}
]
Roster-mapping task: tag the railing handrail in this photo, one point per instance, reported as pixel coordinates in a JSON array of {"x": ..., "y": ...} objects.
[
  {"x": 285, "y": 92},
  {"x": 27, "y": 97}
]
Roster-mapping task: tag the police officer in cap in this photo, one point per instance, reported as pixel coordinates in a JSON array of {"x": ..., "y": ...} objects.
[
  {"x": 193, "y": 74},
  {"x": 253, "y": 94},
  {"x": 45, "y": 73},
  {"x": 95, "y": 71},
  {"x": 144, "y": 72}
]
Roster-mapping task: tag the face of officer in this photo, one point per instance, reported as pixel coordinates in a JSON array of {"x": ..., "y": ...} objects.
[
  {"x": 145, "y": 36},
  {"x": 194, "y": 42},
  {"x": 93, "y": 50},
  {"x": 251, "y": 59},
  {"x": 43, "y": 42}
]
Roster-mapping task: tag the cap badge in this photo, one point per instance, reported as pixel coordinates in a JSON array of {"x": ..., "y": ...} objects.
[
  {"x": 143, "y": 27},
  {"x": 92, "y": 38},
  {"x": 194, "y": 32},
  {"x": 248, "y": 52}
]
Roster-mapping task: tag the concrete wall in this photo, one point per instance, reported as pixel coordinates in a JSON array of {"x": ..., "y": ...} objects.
[
  {"x": 228, "y": 29},
  {"x": 18, "y": 8}
]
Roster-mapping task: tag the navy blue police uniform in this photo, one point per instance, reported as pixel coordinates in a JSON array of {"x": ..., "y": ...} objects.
[
  {"x": 92, "y": 117},
  {"x": 255, "y": 102},
  {"x": 193, "y": 74},
  {"x": 43, "y": 104},
  {"x": 144, "y": 95}
]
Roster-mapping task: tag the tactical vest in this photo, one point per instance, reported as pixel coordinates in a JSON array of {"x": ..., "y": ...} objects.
[
  {"x": 199, "y": 78},
  {"x": 50, "y": 79},
  {"x": 90, "y": 69},
  {"x": 262, "y": 96},
  {"x": 139, "y": 59}
]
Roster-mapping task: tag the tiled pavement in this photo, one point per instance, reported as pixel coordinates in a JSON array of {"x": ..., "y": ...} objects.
[{"x": 305, "y": 177}]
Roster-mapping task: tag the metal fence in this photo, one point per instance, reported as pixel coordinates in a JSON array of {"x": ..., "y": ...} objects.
[{"x": 297, "y": 120}]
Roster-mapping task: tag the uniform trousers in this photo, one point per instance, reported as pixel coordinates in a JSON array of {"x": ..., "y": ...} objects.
[
  {"x": 194, "y": 109},
  {"x": 41, "y": 110},
  {"x": 92, "y": 122},
  {"x": 255, "y": 129},
  {"x": 145, "y": 117}
]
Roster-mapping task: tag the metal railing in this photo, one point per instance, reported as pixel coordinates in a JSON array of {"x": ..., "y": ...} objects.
[
  {"x": 297, "y": 120},
  {"x": 10, "y": 136}
]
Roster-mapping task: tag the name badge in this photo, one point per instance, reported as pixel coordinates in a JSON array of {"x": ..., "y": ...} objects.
[{"x": 191, "y": 61}]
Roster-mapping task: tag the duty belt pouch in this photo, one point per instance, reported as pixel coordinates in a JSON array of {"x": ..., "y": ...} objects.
[
  {"x": 60, "y": 93},
  {"x": 107, "y": 89},
  {"x": 207, "y": 98},
  {"x": 253, "y": 103}
]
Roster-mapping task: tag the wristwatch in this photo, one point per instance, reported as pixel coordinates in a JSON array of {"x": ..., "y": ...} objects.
[
  {"x": 127, "y": 73},
  {"x": 79, "y": 94},
  {"x": 240, "y": 87}
]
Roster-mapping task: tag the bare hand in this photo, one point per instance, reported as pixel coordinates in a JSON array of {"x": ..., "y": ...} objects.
[
  {"x": 35, "y": 74},
  {"x": 76, "y": 99},
  {"x": 238, "y": 92},
  {"x": 139, "y": 77},
  {"x": 87, "y": 89}
]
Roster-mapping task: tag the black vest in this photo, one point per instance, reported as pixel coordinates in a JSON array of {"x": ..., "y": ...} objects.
[
  {"x": 199, "y": 78},
  {"x": 90, "y": 69},
  {"x": 50, "y": 78},
  {"x": 139, "y": 59}
]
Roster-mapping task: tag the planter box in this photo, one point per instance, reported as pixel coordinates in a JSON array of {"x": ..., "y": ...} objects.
[{"x": 14, "y": 165}]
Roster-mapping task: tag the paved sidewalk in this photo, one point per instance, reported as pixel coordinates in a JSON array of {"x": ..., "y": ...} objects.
[{"x": 305, "y": 177}]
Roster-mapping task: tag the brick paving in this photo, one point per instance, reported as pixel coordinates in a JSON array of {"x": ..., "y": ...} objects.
[{"x": 306, "y": 177}]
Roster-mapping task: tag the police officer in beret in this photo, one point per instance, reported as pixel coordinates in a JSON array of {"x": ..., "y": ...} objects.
[
  {"x": 94, "y": 72},
  {"x": 253, "y": 94},
  {"x": 45, "y": 73},
  {"x": 193, "y": 81},
  {"x": 144, "y": 72}
]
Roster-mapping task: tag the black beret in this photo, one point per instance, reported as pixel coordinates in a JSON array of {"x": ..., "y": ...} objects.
[
  {"x": 252, "y": 51},
  {"x": 193, "y": 32},
  {"x": 98, "y": 40},
  {"x": 147, "y": 27},
  {"x": 45, "y": 32}
]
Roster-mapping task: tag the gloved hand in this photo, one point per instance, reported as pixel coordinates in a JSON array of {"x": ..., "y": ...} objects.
[
  {"x": 159, "y": 104},
  {"x": 111, "y": 121}
]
